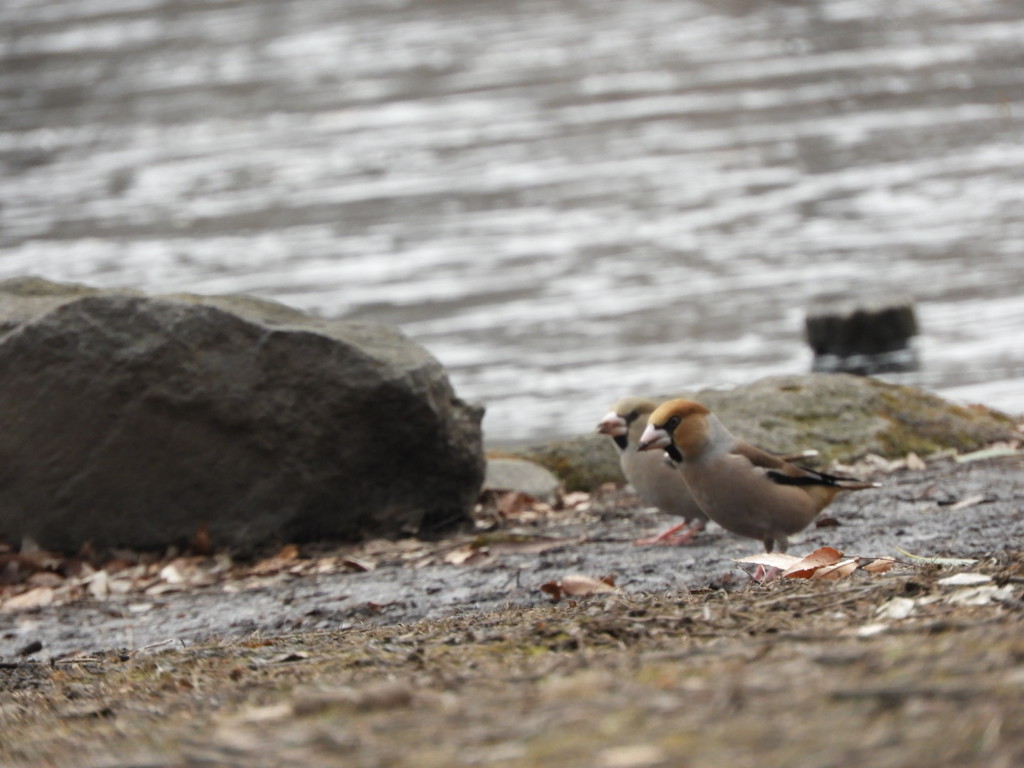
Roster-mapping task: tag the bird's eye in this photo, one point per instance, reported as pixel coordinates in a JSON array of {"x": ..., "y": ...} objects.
[
  {"x": 631, "y": 417},
  {"x": 672, "y": 423}
]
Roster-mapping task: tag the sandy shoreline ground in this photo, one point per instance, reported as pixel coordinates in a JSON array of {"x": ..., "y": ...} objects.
[{"x": 426, "y": 662}]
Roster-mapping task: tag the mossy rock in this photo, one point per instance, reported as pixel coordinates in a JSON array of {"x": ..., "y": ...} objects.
[{"x": 841, "y": 416}]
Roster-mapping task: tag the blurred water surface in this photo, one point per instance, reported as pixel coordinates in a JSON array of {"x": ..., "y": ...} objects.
[{"x": 563, "y": 201}]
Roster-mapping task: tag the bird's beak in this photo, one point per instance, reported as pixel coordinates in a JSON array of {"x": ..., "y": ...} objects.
[
  {"x": 612, "y": 424},
  {"x": 654, "y": 438}
]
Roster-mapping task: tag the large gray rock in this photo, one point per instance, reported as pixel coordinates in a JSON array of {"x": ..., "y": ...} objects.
[{"x": 132, "y": 421}]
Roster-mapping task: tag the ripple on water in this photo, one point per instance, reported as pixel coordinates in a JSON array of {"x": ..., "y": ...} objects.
[{"x": 563, "y": 201}]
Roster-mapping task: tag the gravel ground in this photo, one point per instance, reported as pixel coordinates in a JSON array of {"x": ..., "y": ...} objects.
[{"x": 947, "y": 509}]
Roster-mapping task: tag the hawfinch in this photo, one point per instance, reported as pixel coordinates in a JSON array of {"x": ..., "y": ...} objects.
[{"x": 746, "y": 490}]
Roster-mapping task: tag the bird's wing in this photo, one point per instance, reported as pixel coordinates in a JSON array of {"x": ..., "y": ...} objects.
[
  {"x": 780, "y": 471},
  {"x": 761, "y": 458}
]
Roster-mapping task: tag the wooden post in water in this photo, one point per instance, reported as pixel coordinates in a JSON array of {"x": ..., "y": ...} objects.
[{"x": 862, "y": 334}]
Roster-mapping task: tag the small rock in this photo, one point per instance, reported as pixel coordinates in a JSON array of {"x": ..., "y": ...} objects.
[
  {"x": 523, "y": 476},
  {"x": 862, "y": 335},
  {"x": 27, "y": 650}
]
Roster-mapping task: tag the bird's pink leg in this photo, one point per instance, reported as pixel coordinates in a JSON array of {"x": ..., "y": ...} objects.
[
  {"x": 670, "y": 538},
  {"x": 763, "y": 574}
]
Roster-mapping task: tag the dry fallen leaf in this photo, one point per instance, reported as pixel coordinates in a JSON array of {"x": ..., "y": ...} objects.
[
  {"x": 514, "y": 502},
  {"x": 805, "y": 567},
  {"x": 870, "y": 630},
  {"x": 284, "y": 559},
  {"x": 895, "y": 609},
  {"x": 982, "y": 595},
  {"x": 289, "y": 657},
  {"x": 360, "y": 564},
  {"x": 970, "y": 501},
  {"x": 575, "y": 499},
  {"x": 576, "y": 585},
  {"x": 770, "y": 560},
  {"x": 34, "y": 598},
  {"x": 467, "y": 555},
  {"x": 882, "y": 464},
  {"x": 915, "y": 462},
  {"x": 964, "y": 580},
  {"x": 99, "y": 585},
  {"x": 879, "y": 565},
  {"x": 839, "y": 570},
  {"x": 822, "y": 563},
  {"x": 171, "y": 574}
]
